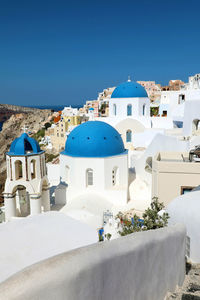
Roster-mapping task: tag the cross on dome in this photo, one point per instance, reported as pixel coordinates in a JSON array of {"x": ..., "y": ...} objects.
[
  {"x": 129, "y": 79},
  {"x": 25, "y": 128}
]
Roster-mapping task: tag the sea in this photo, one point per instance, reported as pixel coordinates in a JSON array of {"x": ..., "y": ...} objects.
[{"x": 52, "y": 107}]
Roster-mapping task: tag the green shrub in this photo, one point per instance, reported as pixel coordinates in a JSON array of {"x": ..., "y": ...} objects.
[{"x": 151, "y": 219}]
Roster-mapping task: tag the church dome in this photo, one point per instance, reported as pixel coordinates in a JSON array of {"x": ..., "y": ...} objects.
[
  {"x": 24, "y": 145},
  {"x": 94, "y": 139},
  {"x": 129, "y": 89}
]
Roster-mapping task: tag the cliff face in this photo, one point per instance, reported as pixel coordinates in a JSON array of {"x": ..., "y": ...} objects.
[
  {"x": 6, "y": 110},
  {"x": 12, "y": 128}
]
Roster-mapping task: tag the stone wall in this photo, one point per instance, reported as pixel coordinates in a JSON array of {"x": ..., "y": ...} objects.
[{"x": 140, "y": 266}]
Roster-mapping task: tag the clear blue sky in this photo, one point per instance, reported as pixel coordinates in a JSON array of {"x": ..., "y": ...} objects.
[{"x": 65, "y": 52}]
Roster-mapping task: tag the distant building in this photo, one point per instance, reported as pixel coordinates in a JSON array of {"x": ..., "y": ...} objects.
[
  {"x": 70, "y": 118},
  {"x": 172, "y": 102},
  {"x": 173, "y": 174},
  {"x": 153, "y": 90},
  {"x": 174, "y": 85},
  {"x": 91, "y": 104}
]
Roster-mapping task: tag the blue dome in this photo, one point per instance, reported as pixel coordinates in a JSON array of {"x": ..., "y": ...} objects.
[
  {"x": 94, "y": 139},
  {"x": 129, "y": 89},
  {"x": 24, "y": 145}
]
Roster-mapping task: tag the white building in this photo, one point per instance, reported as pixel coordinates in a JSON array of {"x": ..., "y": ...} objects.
[
  {"x": 27, "y": 187},
  {"x": 95, "y": 162},
  {"x": 70, "y": 111},
  {"x": 129, "y": 110},
  {"x": 172, "y": 103}
]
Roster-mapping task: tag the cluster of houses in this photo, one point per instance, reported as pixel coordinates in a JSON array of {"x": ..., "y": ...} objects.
[{"x": 117, "y": 161}]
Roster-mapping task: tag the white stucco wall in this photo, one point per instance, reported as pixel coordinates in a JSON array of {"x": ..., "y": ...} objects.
[
  {"x": 141, "y": 266},
  {"x": 185, "y": 209},
  {"x": 159, "y": 143},
  {"x": 26, "y": 241},
  {"x": 192, "y": 112},
  {"x": 76, "y": 167},
  {"x": 53, "y": 171},
  {"x": 137, "y": 107}
]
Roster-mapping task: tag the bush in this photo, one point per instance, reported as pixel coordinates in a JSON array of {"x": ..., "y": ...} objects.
[
  {"x": 151, "y": 219},
  {"x": 39, "y": 135},
  {"x": 47, "y": 125}
]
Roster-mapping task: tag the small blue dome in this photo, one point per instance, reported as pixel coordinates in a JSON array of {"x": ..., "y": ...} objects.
[
  {"x": 129, "y": 89},
  {"x": 24, "y": 145},
  {"x": 94, "y": 139}
]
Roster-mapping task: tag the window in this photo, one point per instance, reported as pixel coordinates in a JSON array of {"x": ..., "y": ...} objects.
[
  {"x": 89, "y": 177},
  {"x": 144, "y": 110},
  {"x": 57, "y": 134},
  {"x": 186, "y": 189},
  {"x": 129, "y": 110},
  {"x": 33, "y": 169},
  {"x": 18, "y": 170},
  {"x": 164, "y": 113},
  {"x": 114, "y": 109},
  {"x": 62, "y": 135},
  {"x": 129, "y": 136}
]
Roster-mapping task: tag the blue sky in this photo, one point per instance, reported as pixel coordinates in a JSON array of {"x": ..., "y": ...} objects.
[{"x": 65, "y": 52}]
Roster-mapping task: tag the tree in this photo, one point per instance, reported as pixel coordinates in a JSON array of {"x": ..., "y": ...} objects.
[
  {"x": 151, "y": 219},
  {"x": 47, "y": 125}
]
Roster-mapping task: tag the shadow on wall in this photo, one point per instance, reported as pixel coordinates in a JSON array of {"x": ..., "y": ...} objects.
[
  {"x": 131, "y": 178},
  {"x": 52, "y": 194}
]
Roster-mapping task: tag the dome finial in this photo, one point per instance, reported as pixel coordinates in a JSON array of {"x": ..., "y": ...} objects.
[
  {"x": 129, "y": 79},
  {"x": 25, "y": 128}
]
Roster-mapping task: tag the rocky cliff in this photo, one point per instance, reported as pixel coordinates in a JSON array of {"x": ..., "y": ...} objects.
[
  {"x": 33, "y": 119},
  {"x": 6, "y": 110}
]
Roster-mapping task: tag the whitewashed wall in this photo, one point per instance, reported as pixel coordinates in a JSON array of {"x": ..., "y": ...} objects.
[
  {"x": 185, "y": 209},
  {"x": 140, "y": 266}
]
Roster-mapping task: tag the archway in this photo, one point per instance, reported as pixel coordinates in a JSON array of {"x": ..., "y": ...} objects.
[
  {"x": 33, "y": 169},
  {"x": 45, "y": 196},
  {"x": 89, "y": 177},
  {"x": 195, "y": 125},
  {"x": 128, "y": 136},
  {"x": 22, "y": 201},
  {"x": 18, "y": 170}
]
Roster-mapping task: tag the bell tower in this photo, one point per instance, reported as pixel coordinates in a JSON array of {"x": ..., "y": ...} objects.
[{"x": 26, "y": 188}]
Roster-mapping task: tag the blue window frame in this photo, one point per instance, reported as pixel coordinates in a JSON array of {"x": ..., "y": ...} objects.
[
  {"x": 114, "y": 109},
  {"x": 129, "y": 136},
  {"x": 129, "y": 110}
]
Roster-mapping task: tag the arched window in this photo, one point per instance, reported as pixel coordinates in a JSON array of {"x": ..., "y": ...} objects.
[
  {"x": 129, "y": 110},
  {"x": 114, "y": 109},
  {"x": 129, "y": 136},
  {"x": 115, "y": 176},
  {"x": 18, "y": 170},
  {"x": 33, "y": 169},
  {"x": 89, "y": 177},
  {"x": 67, "y": 174},
  {"x": 144, "y": 110}
]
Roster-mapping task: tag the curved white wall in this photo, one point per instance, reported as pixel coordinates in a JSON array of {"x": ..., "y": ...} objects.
[
  {"x": 140, "y": 266},
  {"x": 185, "y": 209},
  {"x": 136, "y": 103}
]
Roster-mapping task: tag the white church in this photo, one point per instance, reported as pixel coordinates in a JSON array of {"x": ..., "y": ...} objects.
[{"x": 27, "y": 187}]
